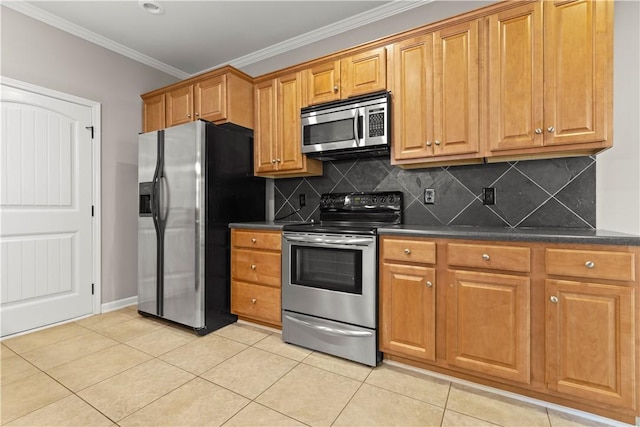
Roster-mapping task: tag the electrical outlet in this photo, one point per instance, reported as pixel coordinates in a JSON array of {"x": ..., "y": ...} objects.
[
  {"x": 489, "y": 196},
  {"x": 302, "y": 198},
  {"x": 429, "y": 196}
]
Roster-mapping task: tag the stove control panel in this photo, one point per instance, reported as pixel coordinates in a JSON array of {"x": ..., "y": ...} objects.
[{"x": 360, "y": 201}]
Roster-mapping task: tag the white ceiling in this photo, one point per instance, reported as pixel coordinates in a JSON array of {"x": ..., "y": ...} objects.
[{"x": 195, "y": 36}]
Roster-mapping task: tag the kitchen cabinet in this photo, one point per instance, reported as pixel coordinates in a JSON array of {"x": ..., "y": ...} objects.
[
  {"x": 497, "y": 344},
  {"x": 436, "y": 81},
  {"x": 590, "y": 334},
  {"x": 553, "y": 321},
  {"x": 277, "y": 145},
  {"x": 153, "y": 113},
  {"x": 550, "y": 75},
  {"x": 220, "y": 96},
  {"x": 256, "y": 275},
  {"x": 408, "y": 298},
  {"x": 357, "y": 74}
]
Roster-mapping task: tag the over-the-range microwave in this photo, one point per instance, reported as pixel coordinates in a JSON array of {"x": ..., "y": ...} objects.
[{"x": 354, "y": 127}]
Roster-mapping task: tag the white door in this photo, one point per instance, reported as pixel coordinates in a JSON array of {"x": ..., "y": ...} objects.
[{"x": 46, "y": 197}]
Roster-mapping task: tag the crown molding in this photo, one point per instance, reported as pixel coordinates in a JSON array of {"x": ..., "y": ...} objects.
[
  {"x": 381, "y": 12},
  {"x": 64, "y": 25},
  {"x": 384, "y": 11}
]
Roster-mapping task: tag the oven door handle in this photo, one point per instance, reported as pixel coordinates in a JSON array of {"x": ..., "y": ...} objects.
[
  {"x": 332, "y": 241},
  {"x": 330, "y": 331}
]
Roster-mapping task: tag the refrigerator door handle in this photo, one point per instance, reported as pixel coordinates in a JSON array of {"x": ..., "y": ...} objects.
[{"x": 165, "y": 202}]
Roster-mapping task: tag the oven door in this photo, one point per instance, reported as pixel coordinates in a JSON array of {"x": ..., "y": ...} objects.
[{"x": 331, "y": 276}]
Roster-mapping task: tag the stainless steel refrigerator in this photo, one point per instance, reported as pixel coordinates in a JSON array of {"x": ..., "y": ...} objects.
[{"x": 193, "y": 180}]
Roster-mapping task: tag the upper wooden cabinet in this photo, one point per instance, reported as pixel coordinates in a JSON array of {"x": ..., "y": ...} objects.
[
  {"x": 277, "y": 146},
  {"x": 436, "y": 79},
  {"x": 153, "y": 113},
  {"x": 550, "y": 75},
  {"x": 221, "y": 96},
  {"x": 357, "y": 74}
]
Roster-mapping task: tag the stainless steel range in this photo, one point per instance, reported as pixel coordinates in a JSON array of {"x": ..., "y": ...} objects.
[{"x": 329, "y": 275}]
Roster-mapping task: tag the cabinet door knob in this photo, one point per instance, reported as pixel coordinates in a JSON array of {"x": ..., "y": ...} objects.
[
  {"x": 189, "y": 116},
  {"x": 335, "y": 89},
  {"x": 437, "y": 142},
  {"x": 428, "y": 143},
  {"x": 538, "y": 131},
  {"x": 253, "y": 300},
  {"x": 273, "y": 160},
  {"x": 551, "y": 129},
  {"x": 253, "y": 240},
  {"x": 589, "y": 264},
  {"x": 407, "y": 251},
  {"x": 278, "y": 160},
  {"x": 486, "y": 257},
  {"x": 429, "y": 284},
  {"x": 253, "y": 266},
  {"x": 553, "y": 299},
  {"x": 197, "y": 114}
]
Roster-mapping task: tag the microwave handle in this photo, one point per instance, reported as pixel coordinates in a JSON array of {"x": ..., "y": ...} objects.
[{"x": 356, "y": 134}]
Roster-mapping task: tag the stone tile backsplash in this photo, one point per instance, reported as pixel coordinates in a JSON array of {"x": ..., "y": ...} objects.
[{"x": 535, "y": 193}]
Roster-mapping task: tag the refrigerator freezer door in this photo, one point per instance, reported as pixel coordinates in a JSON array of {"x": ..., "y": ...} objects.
[
  {"x": 182, "y": 208},
  {"x": 147, "y": 239}
]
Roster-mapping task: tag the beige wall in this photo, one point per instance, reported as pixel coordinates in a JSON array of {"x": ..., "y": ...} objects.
[
  {"x": 39, "y": 54},
  {"x": 618, "y": 169}
]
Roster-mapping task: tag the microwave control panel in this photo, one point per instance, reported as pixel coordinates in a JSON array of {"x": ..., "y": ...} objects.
[{"x": 376, "y": 122}]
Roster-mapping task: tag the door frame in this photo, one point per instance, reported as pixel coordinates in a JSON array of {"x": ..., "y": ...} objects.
[{"x": 96, "y": 149}]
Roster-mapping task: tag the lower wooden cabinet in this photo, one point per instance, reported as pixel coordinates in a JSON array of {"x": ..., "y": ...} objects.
[
  {"x": 590, "y": 341},
  {"x": 488, "y": 327},
  {"x": 552, "y": 321},
  {"x": 256, "y": 275},
  {"x": 408, "y": 317}
]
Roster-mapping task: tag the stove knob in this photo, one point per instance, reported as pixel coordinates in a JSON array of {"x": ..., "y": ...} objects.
[
  {"x": 383, "y": 199},
  {"x": 374, "y": 199},
  {"x": 391, "y": 199}
]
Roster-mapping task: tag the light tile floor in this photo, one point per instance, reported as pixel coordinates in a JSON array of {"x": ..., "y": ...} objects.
[{"x": 122, "y": 369}]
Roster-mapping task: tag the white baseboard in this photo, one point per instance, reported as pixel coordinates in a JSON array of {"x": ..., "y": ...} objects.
[{"x": 117, "y": 305}]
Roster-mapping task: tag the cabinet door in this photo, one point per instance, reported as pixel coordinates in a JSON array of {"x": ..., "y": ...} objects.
[
  {"x": 323, "y": 82},
  {"x": 264, "y": 144},
  {"x": 578, "y": 70},
  {"x": 289, "y": 101},
  {"x": 211, "y": 99},
  {"x": 488, "y": 324},
  {"x": 456, "y": 90},
  {"x": 179, "y": 103},
  {"x": 153, "y": 113},
  {"x": 412, "y": 98},
  {"x": 590, "y": 341},
  {"x": 363, "y": 73},
  {"x": 515, "y": 76},
  {"x": 408, "y": 311}
]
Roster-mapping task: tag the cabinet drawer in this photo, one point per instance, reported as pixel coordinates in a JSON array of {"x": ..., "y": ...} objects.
[
  {"x": 256, "y": 266},
  {"x": 255, "y": 301},
  {"x": 409, "y": 250},
  {"x": 510, "y": 258},
  {"x": 591, "y": 264},
  {"x": 271, "y": 240}
]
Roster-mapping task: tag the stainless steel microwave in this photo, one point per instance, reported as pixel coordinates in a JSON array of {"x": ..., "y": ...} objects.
[{"x": 358, "y": 126}]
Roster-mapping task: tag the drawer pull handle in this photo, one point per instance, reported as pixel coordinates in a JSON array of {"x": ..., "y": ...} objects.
[
  {"x": 407, "y": 251},
  {"x": 253, "y": 266},
  {"x": 253, "y": 300},
  {"x": 553, "y": 299},
  {"x": 429, "y": 284},
  {"x": 486, "y": 257},
  {"x": 253, "y": 240},
  {"x": 589, "y": 264}
]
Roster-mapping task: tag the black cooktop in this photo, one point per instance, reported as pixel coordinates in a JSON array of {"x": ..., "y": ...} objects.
[{"x": 354, "y": 213}]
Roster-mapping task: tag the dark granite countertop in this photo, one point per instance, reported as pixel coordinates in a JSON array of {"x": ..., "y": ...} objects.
[
  {"x": 263, "y": 225},
  {"x": 549, "y": 235}
]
